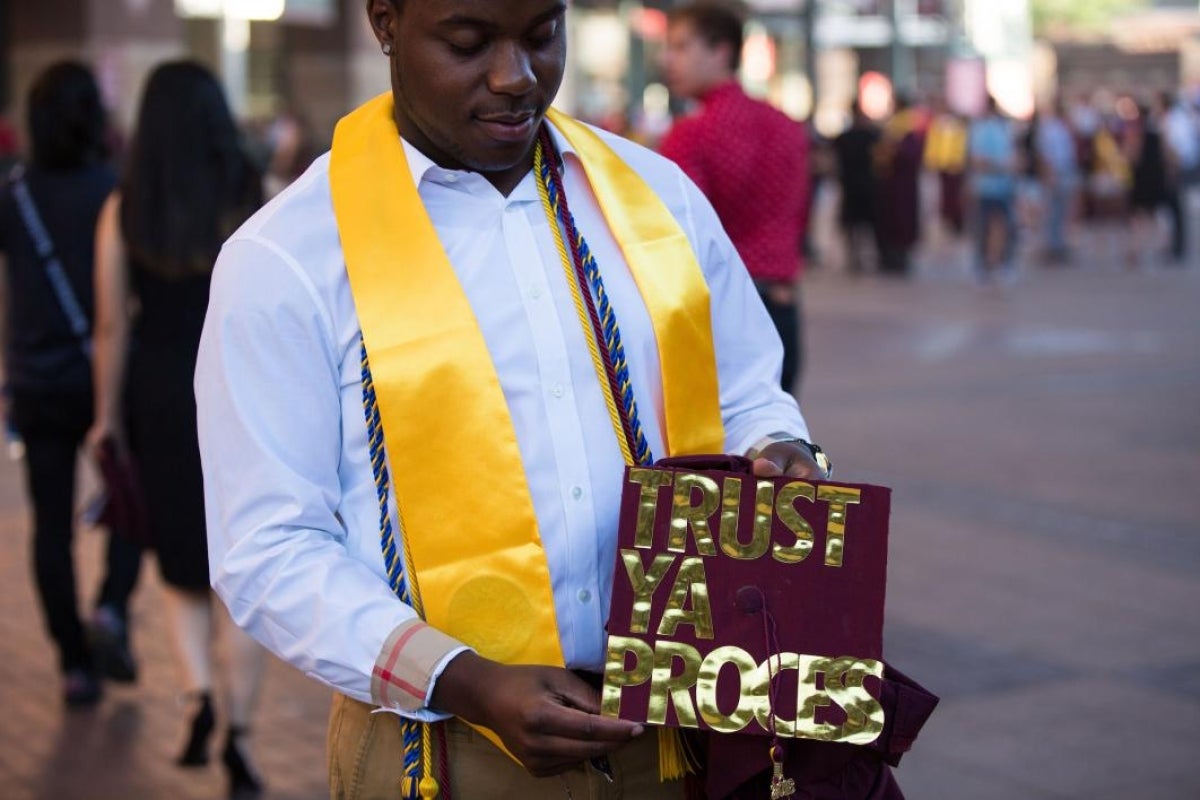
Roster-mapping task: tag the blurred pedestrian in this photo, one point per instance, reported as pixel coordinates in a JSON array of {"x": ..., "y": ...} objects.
[
  {"x": 1147, "y": 153},
  {"x": 897, "y": 159},
  {"x": 822, "y": 167},
  {"x": 1181, "y": 132},
  {"x": 748, "y": 157},
  {"x": 994, "y": 165},
  {"x": 1085, "y": 122},
  {"x": 1031, "y": 195},
  {"x": 1058, "y": 171},
  {"x": 946, "y": 156},
  {"x": 187, "y": 186},
  {"x": 48, "y": 212},
  {"x": 1108, "y": 184},
  {"x": 857, "y": 215},
  {"x": 289, "y": 140}
]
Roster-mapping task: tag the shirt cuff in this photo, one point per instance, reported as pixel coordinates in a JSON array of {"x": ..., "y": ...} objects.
[
  {"x": 771, "y": 438},
  {"x": 412, "y": 658}
]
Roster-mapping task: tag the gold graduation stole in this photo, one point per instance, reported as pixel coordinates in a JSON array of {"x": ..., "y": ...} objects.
[{"x": 473, "y": 550}]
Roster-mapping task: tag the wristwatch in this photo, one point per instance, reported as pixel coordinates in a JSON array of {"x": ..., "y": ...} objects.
[{"x": 814, "y": 449}]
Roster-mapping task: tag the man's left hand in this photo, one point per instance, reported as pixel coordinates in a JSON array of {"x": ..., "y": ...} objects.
[{"x": 787, "y": 459}]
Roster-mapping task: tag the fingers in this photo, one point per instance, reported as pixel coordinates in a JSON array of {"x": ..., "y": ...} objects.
[
  {"x": 571, "y": 724},
  {"x": 558, "y": 738},
  {"x": 574, "y": 692},
  {"x": 783, "y": 459},
  {"x": 803, "y": 468},
  {"x": 766, "y": 468},
  {"x": 547, "y": 717}
]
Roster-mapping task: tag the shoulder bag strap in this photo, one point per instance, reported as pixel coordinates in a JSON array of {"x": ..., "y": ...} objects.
[{"x": 44, "y": 246}]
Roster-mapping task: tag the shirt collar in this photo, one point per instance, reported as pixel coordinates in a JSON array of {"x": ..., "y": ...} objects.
[
  {"x": 420, "y": 164},
  {"x": 728, "y": 88}
]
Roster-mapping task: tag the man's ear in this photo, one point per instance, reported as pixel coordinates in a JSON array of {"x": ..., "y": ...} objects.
[
  {"x": 382, "y": 16},
  {"x": 724, "y": 51}
]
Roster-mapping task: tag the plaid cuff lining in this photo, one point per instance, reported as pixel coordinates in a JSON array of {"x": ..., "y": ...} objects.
[{"x": 405, "y": 665}]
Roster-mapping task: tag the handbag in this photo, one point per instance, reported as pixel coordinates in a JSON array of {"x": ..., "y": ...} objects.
[{"x": 121, "y": 506}]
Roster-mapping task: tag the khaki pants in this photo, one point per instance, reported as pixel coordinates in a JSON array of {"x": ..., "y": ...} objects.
[{"x": 365, "y": 759}]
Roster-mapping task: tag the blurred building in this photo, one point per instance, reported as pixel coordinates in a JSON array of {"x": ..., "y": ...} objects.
[
  {"x": 314, "y": 57},
  {"x": 317, "y": 58},
  {"x": 1145, "y": 51}
]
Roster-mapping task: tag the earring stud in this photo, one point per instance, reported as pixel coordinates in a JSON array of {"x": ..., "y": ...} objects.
[{"x": 387, "y": 48}]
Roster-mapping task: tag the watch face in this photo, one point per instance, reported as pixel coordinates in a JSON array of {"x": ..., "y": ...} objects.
[{"x": 824, "y": 463}]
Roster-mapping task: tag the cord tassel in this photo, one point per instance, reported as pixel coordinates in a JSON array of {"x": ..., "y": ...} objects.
[{"x": 673, "y": 761}]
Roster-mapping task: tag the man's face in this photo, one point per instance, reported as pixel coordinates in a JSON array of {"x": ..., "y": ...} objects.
[
  {"x": 691, "y": 64},
  {"x": 472, "y": 79}
]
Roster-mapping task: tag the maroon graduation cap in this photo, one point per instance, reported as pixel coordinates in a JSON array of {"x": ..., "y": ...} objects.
[{"x": 751, "y": 608}]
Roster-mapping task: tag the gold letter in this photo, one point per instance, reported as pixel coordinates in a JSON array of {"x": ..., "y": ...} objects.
[
  {"x": 690, "y": 579},
  {"x": 763, "y": 515},
  {"x": 650, "y": 480},
  {"x": 785, "y": 509},
  {"x": 706, "y": 689},
  {"x": 835, "y": 528},
  {"x": 683, "y": 513},
  {"x": 615, "y": 674},
  {"x": 731, "y": 501},
  {"x": 864, "y": 714},
  {"x": 662, "y": 682},
  {"x": 643, "y": 585},
  {"x": 762, "y": 692},
  {"x": 809, "y": 699}
]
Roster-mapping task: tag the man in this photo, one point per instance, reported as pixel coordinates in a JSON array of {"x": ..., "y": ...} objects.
[
  {"x": 1182, "y": 135},
  {"x": 1058, "y": 167},
  {"x": 749, "y": 159},
  {"x": 402, "y": 394},
  {"x": 897, "y": 158},
  {"x": 993, "y": 166},
  {"x": 857, "y": 215},
  {"x": 946, "y": 155}
]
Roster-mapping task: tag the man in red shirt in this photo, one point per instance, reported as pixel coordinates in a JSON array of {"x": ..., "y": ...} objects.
[{"x": 749, "y": 159}]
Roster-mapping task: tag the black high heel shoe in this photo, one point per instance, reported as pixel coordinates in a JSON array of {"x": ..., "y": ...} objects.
[
  {"x": 244, "y": 782},
  {"x": 195, "y": 752}
]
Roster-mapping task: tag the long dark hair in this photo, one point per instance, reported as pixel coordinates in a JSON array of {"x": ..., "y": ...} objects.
[
  {"x": 66, "y": 118},
  {"x": 188, "y": 184}
]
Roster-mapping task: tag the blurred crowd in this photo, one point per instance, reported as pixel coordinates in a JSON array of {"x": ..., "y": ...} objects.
[{"x": 1122, "y": 166}]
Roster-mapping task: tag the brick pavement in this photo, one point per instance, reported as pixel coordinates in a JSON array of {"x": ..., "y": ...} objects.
[
  {"x": 1044, "y": 447},
  {"x": 123, "y": 749}
]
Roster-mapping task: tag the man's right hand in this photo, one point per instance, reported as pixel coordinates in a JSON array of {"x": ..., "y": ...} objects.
[{"x": 546, "y": 716}]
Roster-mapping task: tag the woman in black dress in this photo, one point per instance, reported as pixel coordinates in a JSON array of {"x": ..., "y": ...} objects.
[
  {"x": 1149, "y": 191},
  {"x": 188, "y": 185}
]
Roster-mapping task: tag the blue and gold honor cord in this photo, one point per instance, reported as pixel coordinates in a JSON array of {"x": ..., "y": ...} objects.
[
  {"x": 415, "y": 736},
  {"x": 603, "y": 335},
  {"x": 596, "y": 314}
]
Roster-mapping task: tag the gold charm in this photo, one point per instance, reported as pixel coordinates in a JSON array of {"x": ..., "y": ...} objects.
[{"x": 781, "y": 786}]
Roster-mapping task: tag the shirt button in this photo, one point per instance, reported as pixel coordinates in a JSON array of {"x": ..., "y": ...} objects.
[
  {"x": 451, "y": 177},
  {"x": 535, "y": 293},
  {"x": 577, "y": 492},
  {"x": 557, "y": 390},
  {"x": 584, "y": 595}
]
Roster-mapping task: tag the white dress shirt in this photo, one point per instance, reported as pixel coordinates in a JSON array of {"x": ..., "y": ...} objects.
[{"x": 293, "y": 521}]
